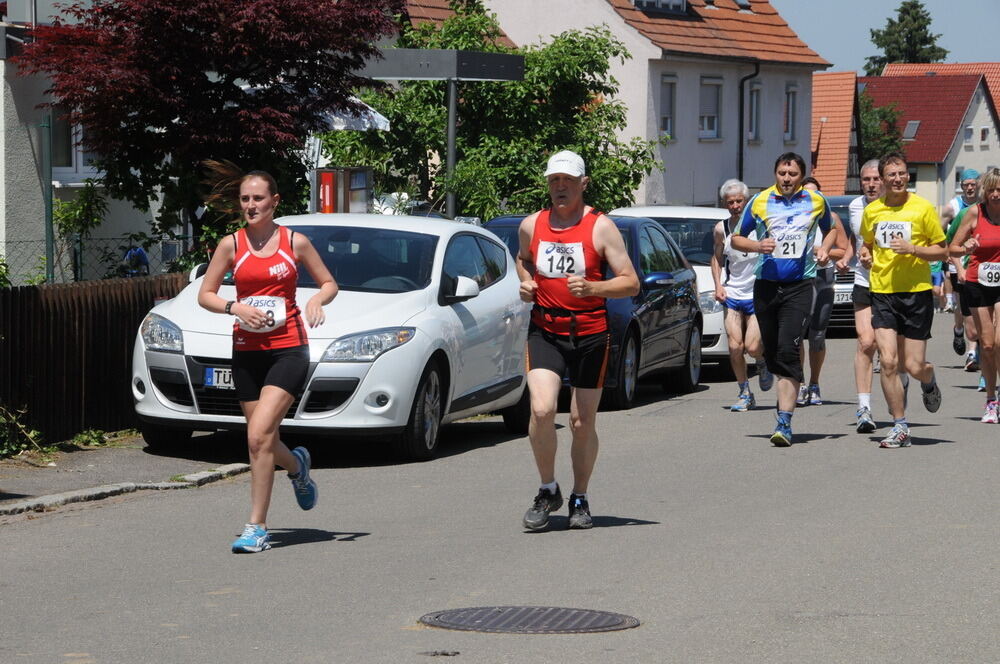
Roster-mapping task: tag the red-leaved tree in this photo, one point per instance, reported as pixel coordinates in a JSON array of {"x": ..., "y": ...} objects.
[{"x": 160, "y": 85}]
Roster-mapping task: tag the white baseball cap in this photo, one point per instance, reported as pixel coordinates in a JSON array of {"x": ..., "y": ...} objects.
[{"x": 566, "y": 162}]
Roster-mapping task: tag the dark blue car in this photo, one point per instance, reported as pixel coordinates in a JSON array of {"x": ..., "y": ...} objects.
[{"x": 657, "y": 332}]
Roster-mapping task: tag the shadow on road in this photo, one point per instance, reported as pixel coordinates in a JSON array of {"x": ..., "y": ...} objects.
[
  {"x": 562, "y": 523},
  {"x": 293, "y": 536}
]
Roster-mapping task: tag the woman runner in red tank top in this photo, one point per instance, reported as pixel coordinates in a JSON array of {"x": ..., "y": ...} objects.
[
  {"x": 270, "y": 346},
  {"x": 979, "y": 238}
]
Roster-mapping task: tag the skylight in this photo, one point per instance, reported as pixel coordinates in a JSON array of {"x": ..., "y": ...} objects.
[{"x": 910, "y": 133}]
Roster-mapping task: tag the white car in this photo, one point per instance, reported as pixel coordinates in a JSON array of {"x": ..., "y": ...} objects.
[
  {"x": 427, "y": 328},
  {"x": 692, "y": 227}
]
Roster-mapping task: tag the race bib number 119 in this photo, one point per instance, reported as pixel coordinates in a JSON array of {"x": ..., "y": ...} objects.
[
  {"x": 558, "y": 261},
  {"x": 886, "y": 231}
]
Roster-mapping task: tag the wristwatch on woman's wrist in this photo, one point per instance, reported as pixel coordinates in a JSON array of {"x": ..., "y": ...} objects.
[{"x": 229, "y": 306}]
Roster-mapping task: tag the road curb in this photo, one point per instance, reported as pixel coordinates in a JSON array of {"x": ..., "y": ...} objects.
[{"x": 191, "y": 480}]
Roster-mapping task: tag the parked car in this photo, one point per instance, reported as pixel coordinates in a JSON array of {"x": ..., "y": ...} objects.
[
  {"x": 843, "y": 287},
  {"x": 658, "y": 331},
  {"x": 691, "y": 228},
  {"x": 427, "y": 328}
]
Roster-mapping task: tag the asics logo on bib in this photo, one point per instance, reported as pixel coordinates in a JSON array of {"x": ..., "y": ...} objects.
[
  {"x": 278, "y": 269},
  {"x": 559, "y": 249}
]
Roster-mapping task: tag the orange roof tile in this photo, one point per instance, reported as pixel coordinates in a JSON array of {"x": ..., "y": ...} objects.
[
  {"x": 990, "y": 70},
  {"x": 832, "y": 124},
  {"x": 722, "y": 30},
  {"x": 436, "y": 11},
  {"x": 938, "y": 102}
]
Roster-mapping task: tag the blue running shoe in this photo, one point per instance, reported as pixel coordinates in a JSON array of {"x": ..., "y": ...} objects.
[
  {"x": 745, "y": 402},
  {"x": 304, "y": 487},
  {"x": 782, "y": 436},
  {"x": 982, "y": 384},
  {"x": 765, "y": 379},
  {"x": 253, "y": 540}
]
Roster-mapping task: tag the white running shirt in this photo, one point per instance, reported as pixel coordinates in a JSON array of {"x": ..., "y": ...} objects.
[
  {"x": 861, "y": 273},
  {"x": 741, "y": 269}
]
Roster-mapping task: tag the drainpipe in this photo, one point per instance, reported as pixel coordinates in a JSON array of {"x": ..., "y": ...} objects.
[
  {"x": 743, "y": 138},
  {"x": 46, "y": 150}
]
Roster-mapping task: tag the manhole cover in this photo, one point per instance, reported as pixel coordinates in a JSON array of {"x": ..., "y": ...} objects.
[{"x": 529, "y": 620}]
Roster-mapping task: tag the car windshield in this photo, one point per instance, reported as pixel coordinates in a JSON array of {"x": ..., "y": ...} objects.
[
  {"x": 372, "y": 260},
  {"x": 693, "y": 236}
]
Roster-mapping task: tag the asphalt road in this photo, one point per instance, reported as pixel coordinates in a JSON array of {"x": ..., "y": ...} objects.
[{"x": 725, "y": 548}]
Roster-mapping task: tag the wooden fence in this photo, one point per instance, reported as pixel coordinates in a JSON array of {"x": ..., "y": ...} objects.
[{"x": 66, "y": 351}]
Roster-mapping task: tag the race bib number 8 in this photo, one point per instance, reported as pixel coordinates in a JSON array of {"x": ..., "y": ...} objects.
[
  {"x": 886, "y": 231},
  {"x": 790, "y": 244},
  {"x": 273, "y": 307},
  {"x": 989, "y": 274},
  {"x": 558, "y": 261}
]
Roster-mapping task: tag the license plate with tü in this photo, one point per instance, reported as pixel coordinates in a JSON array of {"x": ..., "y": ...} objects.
[
  {"x": 843, "y": 298},
  {"x": 219, "y": 378}
]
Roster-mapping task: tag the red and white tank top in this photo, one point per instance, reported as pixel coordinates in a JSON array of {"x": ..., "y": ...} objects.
[
  {"x": 559, "y": 253},
  {"x": 984, "y": 263},
  {"x": 269, "y": 285}
]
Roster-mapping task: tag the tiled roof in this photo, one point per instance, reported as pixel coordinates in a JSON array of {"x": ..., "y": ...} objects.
[
  {"x": 938, "y": 102},
  {"x": 723, "y": 30},
  {"x": 990, "y": 70},
  {"x": 832, "y": 120},
  {"x": 436, "y": 11}
]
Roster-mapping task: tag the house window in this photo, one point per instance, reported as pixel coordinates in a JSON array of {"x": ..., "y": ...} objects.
[
  {"x": 984, "y": 134},
  {"x": 791, "y": 108},
  {"x": 668, "y": 93},
  {"x": 753, "y": 130},
  {"x": 911, "y": 186},
  {"x": 958, "y": 179},
  {"x": 969, "y": 131},
  {"x": 708, "y": 108},
  {"x": 69, "y": 160},
  {"x": 674, "y": 6},
  {"x": 910, "y": 133}
]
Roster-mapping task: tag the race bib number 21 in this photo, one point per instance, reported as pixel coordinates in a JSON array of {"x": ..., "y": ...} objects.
[{"x": 558, "y": 261}]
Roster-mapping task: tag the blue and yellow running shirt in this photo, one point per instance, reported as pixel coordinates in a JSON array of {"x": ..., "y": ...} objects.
[{"x": 792, "y": 222}]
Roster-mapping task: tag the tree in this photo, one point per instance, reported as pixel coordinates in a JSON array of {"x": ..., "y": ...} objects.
[
  {"x": 158, "y": 86},
  {"x": 879, "y": 129},
  {"x": 506, "y": 129},
  {"x": 906, "y": 39}
]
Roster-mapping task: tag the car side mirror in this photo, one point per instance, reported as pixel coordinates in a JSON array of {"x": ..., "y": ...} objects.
[
  {"x": 465, "y": 289},
  {"x": 655, "y": 280},
  {"x": 197, "y": 271}
]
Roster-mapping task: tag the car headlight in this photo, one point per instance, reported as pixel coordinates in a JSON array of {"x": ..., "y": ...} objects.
[
  {"x": 366, "y": 346},
  {"x": 158, "y": 333},
  {"x": 708, "y": 303}
]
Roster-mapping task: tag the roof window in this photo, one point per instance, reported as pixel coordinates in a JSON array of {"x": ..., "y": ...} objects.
[
  {"x": 668, "y": 6},
  {"x": 910, "y": 133}
]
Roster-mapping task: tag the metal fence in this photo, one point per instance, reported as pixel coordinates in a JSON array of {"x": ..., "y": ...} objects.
[
  {"x": 86, "y": 259},
  {"x": 66, "y": 351}
]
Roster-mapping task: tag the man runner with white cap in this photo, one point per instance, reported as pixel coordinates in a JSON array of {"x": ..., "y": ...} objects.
[{"x": 560, "y": 262}]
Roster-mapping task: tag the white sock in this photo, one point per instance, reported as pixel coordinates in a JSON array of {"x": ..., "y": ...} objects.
[
  {"x": 581, "y": 495},
  {"x": 865, "y": 400},
  {"x": 551, "y": 486}
]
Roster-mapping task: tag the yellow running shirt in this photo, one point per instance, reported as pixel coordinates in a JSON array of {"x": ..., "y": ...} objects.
[{"x": 917, "y": 222}]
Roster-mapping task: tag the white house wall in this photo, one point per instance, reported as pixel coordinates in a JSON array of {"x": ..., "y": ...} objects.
[
  {"x": 979, "y": 155},
  {"x": 693, "y": 169}
]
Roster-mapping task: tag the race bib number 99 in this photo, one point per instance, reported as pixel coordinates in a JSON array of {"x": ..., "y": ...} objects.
[
  {"x": 989, "y": 274},
  {"x": 558, "y": 261},
  {"x": 274, "y": 310},
  {"x": 886, "y": 231}
]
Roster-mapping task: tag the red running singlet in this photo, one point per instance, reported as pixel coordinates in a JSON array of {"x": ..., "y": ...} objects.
[
  {"x": 558, "y": 253},
  {"x": 268, "y": 283},
  {"x": 984, "y": 262}
]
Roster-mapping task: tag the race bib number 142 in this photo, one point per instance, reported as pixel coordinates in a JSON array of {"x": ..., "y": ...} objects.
[{"x": 557, "y": 260}]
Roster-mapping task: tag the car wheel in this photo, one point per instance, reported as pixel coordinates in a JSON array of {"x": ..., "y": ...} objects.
[
  {"x": 164, "y": 438},
  {"x": 622, "y": 397},
  {"x": 687, "y": 378},
  {"x": 517, "y": 417},
  {"x": 419, "y": 441}
]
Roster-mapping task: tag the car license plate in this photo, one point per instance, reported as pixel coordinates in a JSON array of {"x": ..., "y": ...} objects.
[
  {"x": 843, "y": 298},
  {"x": 219, "y": 378}
]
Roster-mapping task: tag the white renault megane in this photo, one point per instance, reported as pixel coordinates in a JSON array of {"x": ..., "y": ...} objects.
[{"x": 427, "y": 328}]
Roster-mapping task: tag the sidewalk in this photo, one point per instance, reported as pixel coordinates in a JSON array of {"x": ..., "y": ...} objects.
[{"x": 99, "y": 472}]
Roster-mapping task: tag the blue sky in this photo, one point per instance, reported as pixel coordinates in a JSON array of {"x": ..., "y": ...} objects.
[{"x": 839, "y": 29}]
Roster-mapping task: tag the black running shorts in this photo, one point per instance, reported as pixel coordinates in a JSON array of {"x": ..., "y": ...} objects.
[
  {"x": 862, "y": 296},
  {"x": 283, "y": 367},
  {"x": 783, "y": 311},
  {"x": 583, "y": 358},
  {"x": 959, "y": 289},
  {"x": 909, "y": 314},
  {"x": 977, "y": 295}
]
